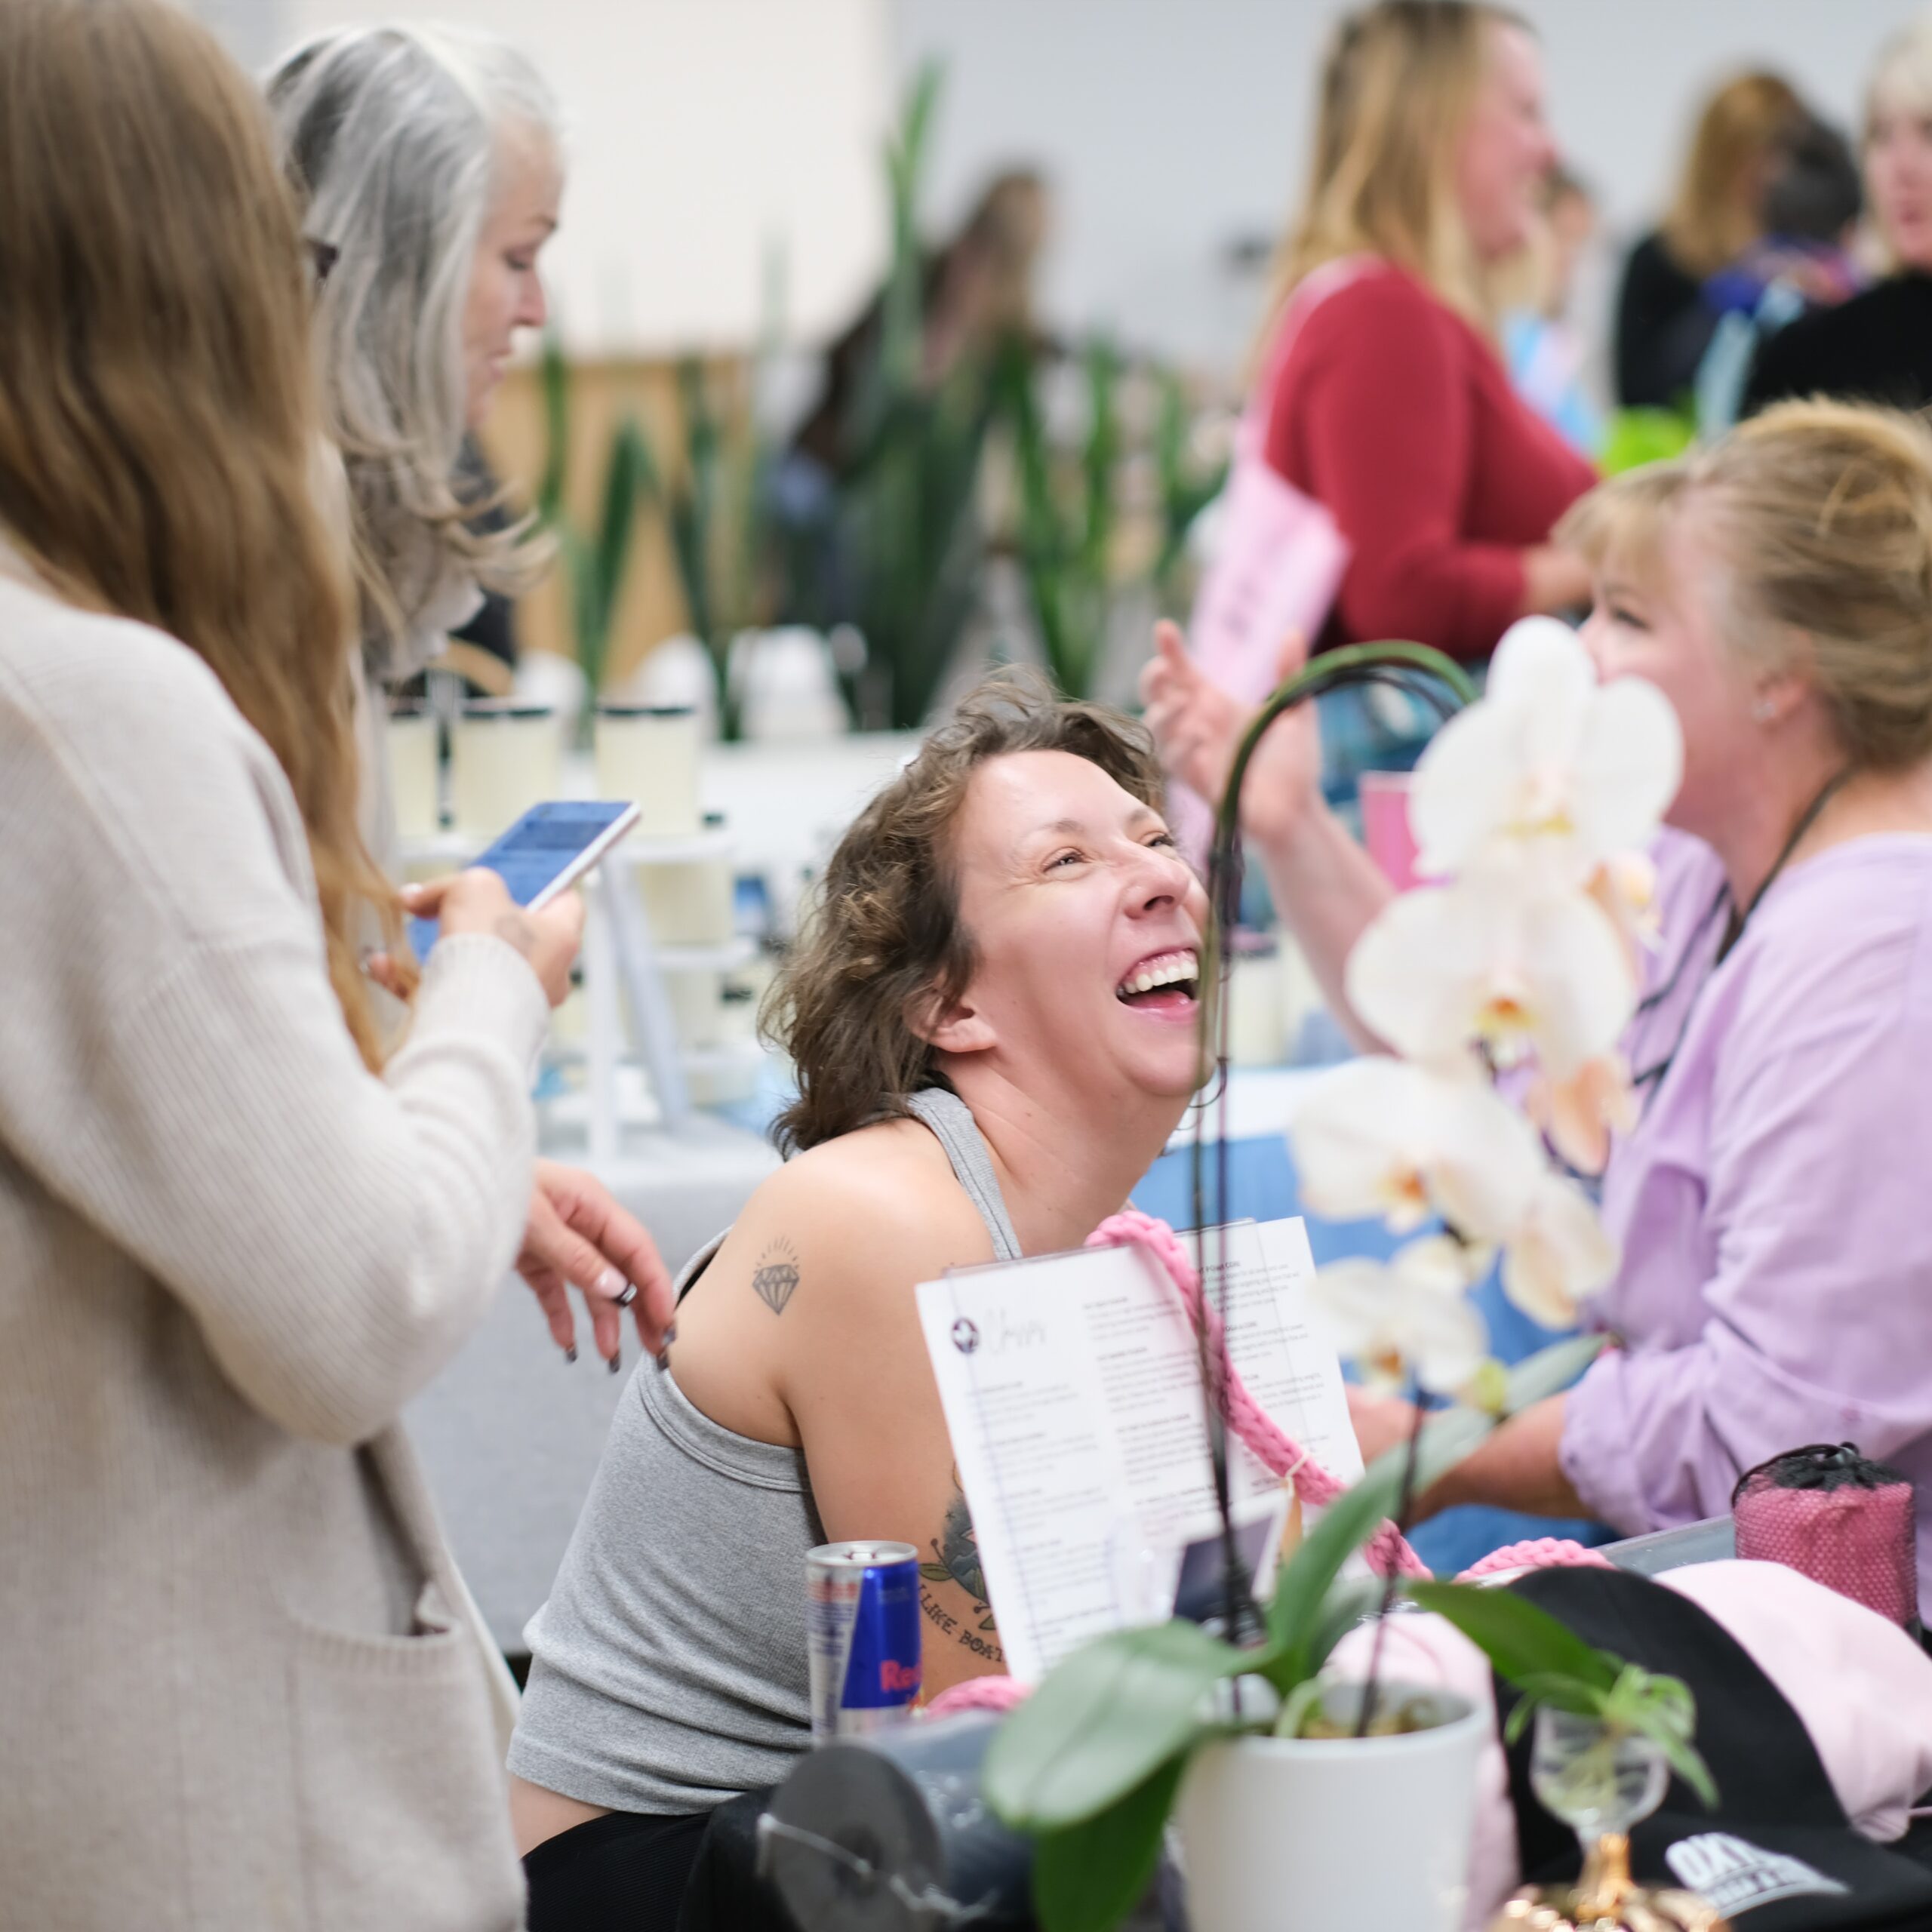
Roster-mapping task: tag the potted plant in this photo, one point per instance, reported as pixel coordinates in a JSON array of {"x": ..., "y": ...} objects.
[{"x": 1302, "y": 1802}]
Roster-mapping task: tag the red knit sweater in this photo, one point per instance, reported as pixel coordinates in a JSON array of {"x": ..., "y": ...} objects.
[{"x": 1397, "y": 414}]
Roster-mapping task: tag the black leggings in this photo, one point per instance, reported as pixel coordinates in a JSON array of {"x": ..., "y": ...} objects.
[{"x": 619, "y": 1873}]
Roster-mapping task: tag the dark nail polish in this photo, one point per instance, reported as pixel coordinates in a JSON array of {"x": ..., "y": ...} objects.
[
  {"x": 629, "y": 1296},
  {"x": 569, "y": 1354},
  {"x": 670, "y": 1333},
  {"x": 616, "y": 1361}
]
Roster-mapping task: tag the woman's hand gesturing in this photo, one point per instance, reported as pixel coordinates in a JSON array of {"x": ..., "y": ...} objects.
[{"x": 1197, "y": 726}]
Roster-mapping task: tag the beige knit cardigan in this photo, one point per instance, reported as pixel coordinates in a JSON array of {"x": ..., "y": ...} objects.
[{"x": 235, "y": 1689}]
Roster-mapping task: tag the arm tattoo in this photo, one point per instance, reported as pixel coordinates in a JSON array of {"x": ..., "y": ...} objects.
[
  {"x": 956, "y": 1561},
  {"x": 777, "y": 1274}
]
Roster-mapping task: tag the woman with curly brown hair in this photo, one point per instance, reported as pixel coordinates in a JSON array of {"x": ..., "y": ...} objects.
[{"x": 993, "y": 1022}]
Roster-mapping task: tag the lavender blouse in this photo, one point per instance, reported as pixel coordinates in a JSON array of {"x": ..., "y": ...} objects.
[{"x": 1774, "y": 1203}]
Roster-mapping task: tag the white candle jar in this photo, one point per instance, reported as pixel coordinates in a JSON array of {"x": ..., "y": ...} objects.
[
  {"x": 415, "y": 772},
  {"x": 688, "y": 905},
  {"x": 503, "y": 758},
  {"x": 649, "y": 754}
]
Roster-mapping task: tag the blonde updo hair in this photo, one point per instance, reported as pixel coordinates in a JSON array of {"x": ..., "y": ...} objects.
[{"x": 1823, "y": 512}]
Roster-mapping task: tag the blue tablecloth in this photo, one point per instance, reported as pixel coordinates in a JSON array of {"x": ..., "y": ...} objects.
[{"x": 1262, "y": 1186}]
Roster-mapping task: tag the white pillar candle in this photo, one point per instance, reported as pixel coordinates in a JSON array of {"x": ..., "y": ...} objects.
[
  {"x": 504, "y": 758},
  {"x": 697, "y": 1002},
  {"x": 415, "y": 774},
  {"x": 649, "y": 754},
  {"x": 1255, "y": 1032},
  {"x": 687, "y": 905}
]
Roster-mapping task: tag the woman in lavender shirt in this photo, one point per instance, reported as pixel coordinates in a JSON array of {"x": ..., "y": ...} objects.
[{"x": 1773, "y": 1201}]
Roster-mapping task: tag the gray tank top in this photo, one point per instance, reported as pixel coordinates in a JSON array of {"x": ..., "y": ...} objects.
[{"x": 668, "y": 1669}]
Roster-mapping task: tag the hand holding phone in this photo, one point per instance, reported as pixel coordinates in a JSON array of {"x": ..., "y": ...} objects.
[
  {"x": 546, "y": 851},
  {"x": 478, "y": 901}
]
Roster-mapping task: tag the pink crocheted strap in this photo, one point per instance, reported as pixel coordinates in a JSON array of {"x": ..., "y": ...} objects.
[
  {"x": 978, "y": 1693},
  {"x": 1387, "y": 1552},
  {"x": 1539, "y": 1553}
]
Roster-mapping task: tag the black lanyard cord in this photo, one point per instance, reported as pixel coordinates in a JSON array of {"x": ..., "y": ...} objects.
[{"x": 1653, "y": 1076}]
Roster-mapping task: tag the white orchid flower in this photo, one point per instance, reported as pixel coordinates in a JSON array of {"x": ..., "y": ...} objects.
[
  {"x": 1380, "y": 1136},
  {"x": 1407, "y": 1317},
  {"x": 1559, "y": 1256},
  {"x": 1493, "y": 960},
  {"x": 1550, "y": 760},
  {"x": 1580, "y": 1114}
]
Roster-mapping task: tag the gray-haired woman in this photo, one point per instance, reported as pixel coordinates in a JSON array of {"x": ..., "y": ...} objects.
[{"x": 431, "y": 164}]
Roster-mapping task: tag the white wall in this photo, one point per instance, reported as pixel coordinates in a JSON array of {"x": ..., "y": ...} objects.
[{"x": 1172, "y": 129}]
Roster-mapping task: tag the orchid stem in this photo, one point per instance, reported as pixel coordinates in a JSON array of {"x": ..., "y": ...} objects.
[{"x": 1405, "y": 1502}]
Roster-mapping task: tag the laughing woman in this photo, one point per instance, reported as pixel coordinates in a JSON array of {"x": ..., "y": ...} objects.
[{"x": 993, "y": 1022}]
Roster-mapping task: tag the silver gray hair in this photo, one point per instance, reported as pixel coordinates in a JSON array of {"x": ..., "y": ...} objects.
[{"x": 393, "y": 137}]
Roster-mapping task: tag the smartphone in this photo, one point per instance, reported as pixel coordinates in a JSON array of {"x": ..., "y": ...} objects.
[{"x": 549, "y": 849}]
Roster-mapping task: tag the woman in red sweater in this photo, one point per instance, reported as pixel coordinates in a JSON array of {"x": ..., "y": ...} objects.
[{"x": 1386, "y": 400}]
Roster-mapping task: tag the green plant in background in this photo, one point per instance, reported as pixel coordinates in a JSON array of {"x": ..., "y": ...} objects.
[
  {"x": 1185, "y": 489},
  {"x": 1067, "y": 515},
  {"x": 711, "y": 505},
  {"x": 1634, "y": 437},
  {"x": 1091, "y": 1763},
  {"x": 595, "y": 562},
  {"x": 906, "y": 522}
]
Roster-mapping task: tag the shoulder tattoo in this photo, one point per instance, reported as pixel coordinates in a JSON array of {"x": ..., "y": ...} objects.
[{"x": 776, "y": 1277}]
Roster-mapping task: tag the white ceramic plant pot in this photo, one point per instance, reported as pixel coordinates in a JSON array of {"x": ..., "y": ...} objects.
[{"x": 1334, "y": 1835}]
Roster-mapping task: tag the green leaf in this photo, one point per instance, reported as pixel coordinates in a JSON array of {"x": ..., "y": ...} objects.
[
  {"x": 1104, "y": 1722},
  {"x": 1294, "y": 1616},
  {"x": 1345, "y": 1607},
  {"x": 556, "y": 375},
  {"x": 1520, "y": 1638},
  {"x": 1550, "y": 1370},
  {"x": 1687, "y": 1762},
  {"x": 1087, "y": 1877}
]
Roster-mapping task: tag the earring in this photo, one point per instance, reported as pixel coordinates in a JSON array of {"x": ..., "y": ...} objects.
[{"x": 1763, "y": 710}]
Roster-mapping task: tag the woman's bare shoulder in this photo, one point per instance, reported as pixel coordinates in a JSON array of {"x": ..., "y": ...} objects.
[{"x": 875, "y": 1209}]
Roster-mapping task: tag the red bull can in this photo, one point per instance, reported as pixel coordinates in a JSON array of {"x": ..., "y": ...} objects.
[{"x": 862, "y": 1607}]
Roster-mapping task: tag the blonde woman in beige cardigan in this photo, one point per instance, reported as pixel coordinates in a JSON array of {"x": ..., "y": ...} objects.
[{"x": 233, "y": 1244}]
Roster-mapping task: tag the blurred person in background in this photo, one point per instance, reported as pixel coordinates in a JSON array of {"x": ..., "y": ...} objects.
[
  {"x": 1664, "y": 324},
  {"x": 1545, "y": 353},
  {"x": 1806, "y": 262},
  {"x": 1384, "y": 399},
  {"x": 431, "y": 168},
  {"x": 235, "y": 1240},
  {"x": 1879, "y": 344}
]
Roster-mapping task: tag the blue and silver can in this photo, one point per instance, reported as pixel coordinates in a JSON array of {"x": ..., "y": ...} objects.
[{"x": 862, "y": 1608}]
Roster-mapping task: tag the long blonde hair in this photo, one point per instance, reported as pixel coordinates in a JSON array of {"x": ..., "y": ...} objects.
[
  {"x": 1398, "y": 86},
  {"x": 1713, "y": 218},
  {"x": 161, "y": 433},
  {"x": 1823, "y": 515}
]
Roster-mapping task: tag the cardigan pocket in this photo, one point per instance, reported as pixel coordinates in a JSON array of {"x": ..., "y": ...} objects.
[{"x": 405, "y": 1808}]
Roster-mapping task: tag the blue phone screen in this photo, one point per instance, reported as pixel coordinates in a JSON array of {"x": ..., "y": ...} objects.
[{"x": 535, "y": 850}]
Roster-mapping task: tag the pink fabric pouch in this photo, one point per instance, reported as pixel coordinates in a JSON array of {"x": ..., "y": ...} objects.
[{"x": 1279, "y": 558}]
